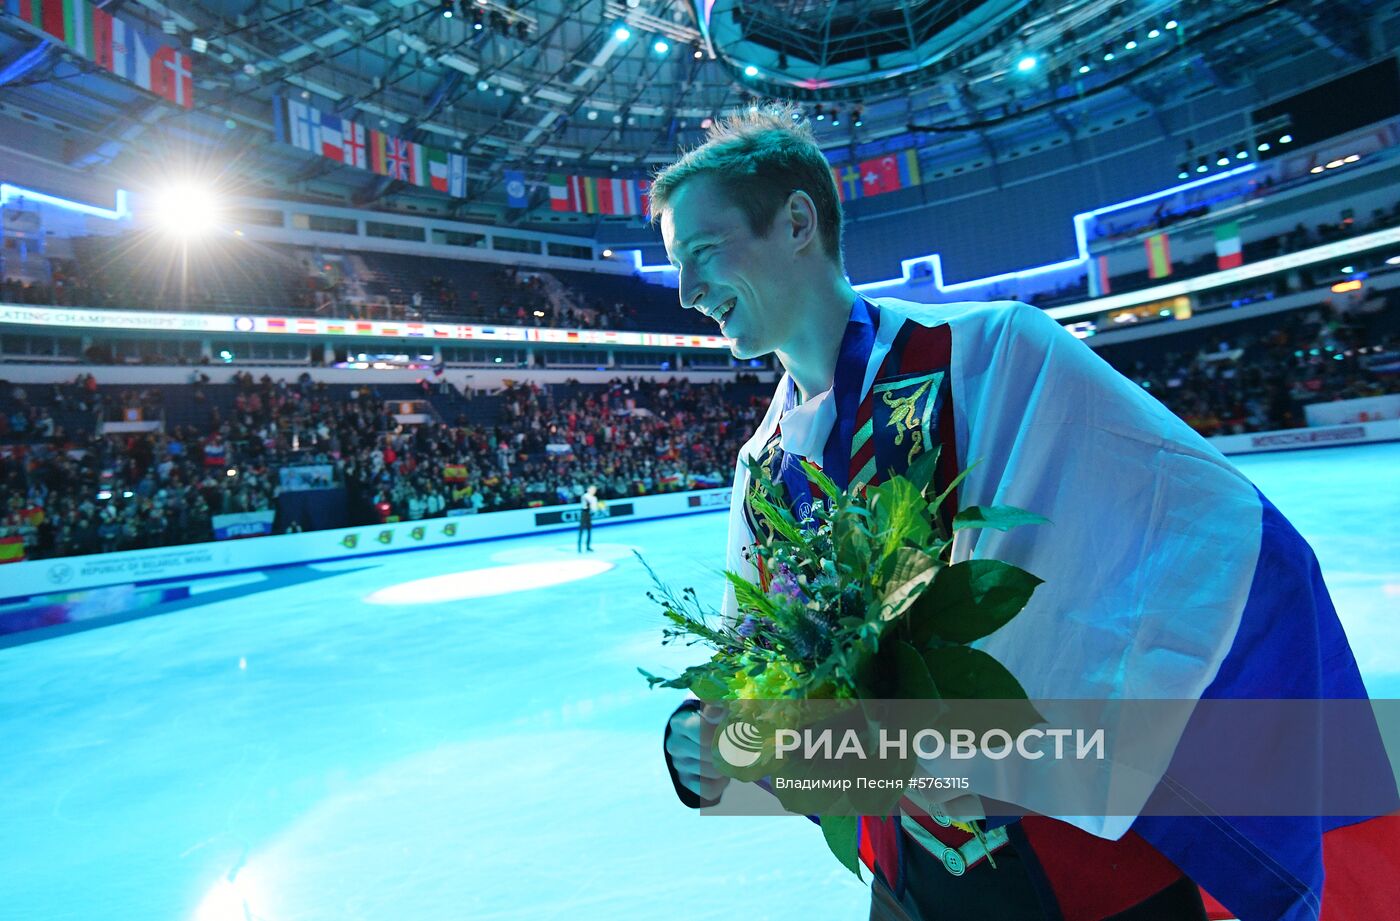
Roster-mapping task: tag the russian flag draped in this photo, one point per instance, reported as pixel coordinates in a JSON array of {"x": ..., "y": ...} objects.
[{"x": 1167, "y": 576}]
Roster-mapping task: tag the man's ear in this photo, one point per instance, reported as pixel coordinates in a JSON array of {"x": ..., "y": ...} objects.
[{"x": 802, "y": 220}]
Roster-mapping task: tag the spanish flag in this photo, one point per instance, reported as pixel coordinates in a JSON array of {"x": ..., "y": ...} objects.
[{"x": 11, "y": 549}]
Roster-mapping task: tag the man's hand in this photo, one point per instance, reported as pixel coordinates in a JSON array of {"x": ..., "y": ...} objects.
[{"x": 689, "y": 745}]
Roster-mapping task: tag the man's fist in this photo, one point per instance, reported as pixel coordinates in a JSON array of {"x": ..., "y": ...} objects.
[{"x": 689, "y": 744}]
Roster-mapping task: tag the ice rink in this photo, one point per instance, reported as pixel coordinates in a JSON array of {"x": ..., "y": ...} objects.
[{"x": 460, "y": 734}]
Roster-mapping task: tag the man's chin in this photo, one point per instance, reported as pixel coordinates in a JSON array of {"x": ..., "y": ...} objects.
[{"x": 743, "y": 350}]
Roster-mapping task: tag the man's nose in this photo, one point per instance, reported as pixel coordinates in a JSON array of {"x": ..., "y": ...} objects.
[{"x": 692, "y": 293}]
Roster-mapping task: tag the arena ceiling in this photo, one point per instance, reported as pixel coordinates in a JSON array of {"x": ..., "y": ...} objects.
[{"x": 617, "y": 86}]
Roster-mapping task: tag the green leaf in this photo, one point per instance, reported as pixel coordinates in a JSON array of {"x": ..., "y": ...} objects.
[
  {"x": 911, "y": 574},
  {"x": 969, "y": 600},
  {"x": 948, "y": 490},
  {"x": 964, "y": 673},
  {"x": 899, "y": 517},
  {"x": 915, "y": 680},
  {"x": 1000, "y": 517},
  {"x": 842, "y": 835},
  {"x": 749, "y": 596},
  {"x": 921, "y": 471},
  {"x": 824, "y": 482}
]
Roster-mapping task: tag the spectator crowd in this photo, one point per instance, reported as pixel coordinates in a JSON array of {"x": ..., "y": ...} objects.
[{"x": 70, "y": 492}]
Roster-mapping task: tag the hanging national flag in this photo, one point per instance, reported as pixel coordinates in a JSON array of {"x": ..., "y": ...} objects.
[
  {"x": 115, "y": 44},
  {"x": 353, "y": 144},
  {"x": 1228, "y": 253},
  {"x": 849, "y": 182},
  {"x": 515, "y": 189},
  {"x": 171, "y": 76},
  {"x": 418, "y": 164},
  {"x": 378, "y": 143},
  {"x": 437, "y": 169},
  {"x": 607, "y": 189},
  {"x": 102, "y": 39},
  {"x": 30, "y": 11},
  {"x": 305, "y": 125},
  {"x": 1159, "y": 259},
  {"x": 561, "y": 196},
  {"x": 78, "y": 22},
  {"x": 889, "y": 173},
  {"x": 131, "y": 56},
  {"x": 1098, "y": 277},
  {"x": 54, "y": 20},
  {"x": 397, "y": 156},
  {"x": 586, "y": 191},
  {"x": 457, "y": 175},
  {"x": 332, "y": 140}
]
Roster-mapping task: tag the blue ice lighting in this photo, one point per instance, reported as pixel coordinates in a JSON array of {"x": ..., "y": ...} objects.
[
  {"x": 121, "y": 212},
  {"x": 935, "y": 262}
]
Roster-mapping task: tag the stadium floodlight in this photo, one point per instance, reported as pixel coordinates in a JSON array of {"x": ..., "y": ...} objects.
[
  {"x": 1026, "y": 64},
  {"x": 1171, "y": 24},
  {"x": 1264, "y": 147},
  {"x": 1286, "y": 139},
  {"x": 185, "y": 209},
  {"x": 622, "y": 33},
  {"x": 1084, "y": 68},
  {"x": 751, "y": 71},
  {"x": 660, "y": 46}
]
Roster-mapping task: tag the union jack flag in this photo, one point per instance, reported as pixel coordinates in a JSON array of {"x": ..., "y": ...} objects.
[{"x": 399, "y": 155}]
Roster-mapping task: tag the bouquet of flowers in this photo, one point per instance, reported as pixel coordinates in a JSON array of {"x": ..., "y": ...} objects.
[{"x": 858, "y": 603}]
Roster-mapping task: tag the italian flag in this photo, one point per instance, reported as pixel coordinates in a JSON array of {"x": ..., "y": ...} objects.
[
  {"x": 1228, "y": 254},
  {"x": 437, "y": 168}
]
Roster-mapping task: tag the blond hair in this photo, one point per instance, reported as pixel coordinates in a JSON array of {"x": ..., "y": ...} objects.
[{"x": 759, "y": 158}]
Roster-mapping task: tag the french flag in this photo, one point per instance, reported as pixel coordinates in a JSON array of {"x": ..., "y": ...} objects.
[{"x": 332, "y": 141}]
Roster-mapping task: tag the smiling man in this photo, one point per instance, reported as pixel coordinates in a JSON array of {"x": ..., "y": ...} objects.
[{"x": 1167, "y": 574}]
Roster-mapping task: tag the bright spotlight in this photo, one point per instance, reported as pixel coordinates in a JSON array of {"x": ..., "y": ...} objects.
[
  {"x": 1026, "y": 63},
  {"x": 1083, "y": 68},
  {"x": 751, "y": 71},
  {"x": 1155, "y": 33},
  {"x": 1171, "y": 23},
  {"x": 660, "y": 47},
  {"x": 1131, "y": 44},
  {"x": 1264, "y": 147},
  {"x": 607, "y": 254},
  {"x": 1286, "y": 139},
  {"x": 186, "y": 209},
  {"x": 622, "y": 33}
]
